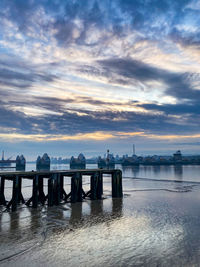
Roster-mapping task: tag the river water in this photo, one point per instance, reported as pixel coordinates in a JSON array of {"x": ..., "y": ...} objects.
[{"x": 157, "y": 223}]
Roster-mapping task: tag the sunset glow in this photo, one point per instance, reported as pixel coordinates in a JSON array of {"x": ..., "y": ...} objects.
[{"x": 100, "y": 70}]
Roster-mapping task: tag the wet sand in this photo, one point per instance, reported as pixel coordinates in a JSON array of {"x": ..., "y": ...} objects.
[{"x": 155, "y": 224}]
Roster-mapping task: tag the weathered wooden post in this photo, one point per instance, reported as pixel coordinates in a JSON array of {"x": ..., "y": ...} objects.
[
  {"x": 93, "y": 186},
  {"x": 35, "y": 191},
  {"x": 20, "y": 196},
  {"x": 63, "y": 195},
  {"x": 96, "y": 186},
  {"x": 56, "y": 190},
  {"x": 41, "y": 190},
  {"x": 2, "y": 196},
  {"x": 19, "y": 190},
  {"x": 50, "y": 191},
  {"x": 76, "y": 187},
  {"x": 15, "y": 192},
  {"x": 56, "y": 178},
  {"x": 100, "y": 186},
  {"x": 117, "y": 184},
  {"x": 61, "y": 186}
]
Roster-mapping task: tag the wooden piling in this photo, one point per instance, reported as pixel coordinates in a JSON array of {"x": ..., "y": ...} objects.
[
  {"x": 61, "y": 186},
  {"x": 41, "y": 196},
  {"x": 56, "y": 178},
  {"x": 117, "y": 184},
  {"x": 2, "y": 195},
  {"x": 76, "y": 187},
  {"x": 19, "y": 189},
  {"x": 50, "y": 191},
  {"x": 63, "y": 195},
  {"x": 56, "y": 191},
  {"x": 20, "y": 196},
  {"x": 35, "y": 191},
  {"x": 15, "y": 193},
  {"x": 100, "y": 186}
]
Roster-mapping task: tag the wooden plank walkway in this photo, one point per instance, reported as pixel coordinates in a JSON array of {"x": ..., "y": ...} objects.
[{"x": 56, "y": 192}]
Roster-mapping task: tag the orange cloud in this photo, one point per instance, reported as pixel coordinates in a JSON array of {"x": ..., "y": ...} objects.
[{"x": 98, "y": 136}]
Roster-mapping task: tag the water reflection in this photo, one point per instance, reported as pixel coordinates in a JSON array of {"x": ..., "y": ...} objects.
[
  {"x": 132, "y": 170},
  {"x": 160, "y": 172},
  {"x": 151, "y": 228},
  {"x": 76, "y": 212},
  {"x": 14, "y": 221},
  {"x": 96, "y": 207},
  {"x": 178, "y": 171},
  {"x": 96, "y": 212},
  {"x": 156, "y": 169},
  {"x": 34, "y": 219}
]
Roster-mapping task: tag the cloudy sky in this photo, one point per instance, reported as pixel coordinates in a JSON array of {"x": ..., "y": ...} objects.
[{"x": 84, "y": 76}]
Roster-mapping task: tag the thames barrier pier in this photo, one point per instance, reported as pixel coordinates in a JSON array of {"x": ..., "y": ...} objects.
[{"x": 56, "y": 193}]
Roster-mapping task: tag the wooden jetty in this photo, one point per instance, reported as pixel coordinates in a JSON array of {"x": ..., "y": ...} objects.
[{"x": 56, "y": 192}]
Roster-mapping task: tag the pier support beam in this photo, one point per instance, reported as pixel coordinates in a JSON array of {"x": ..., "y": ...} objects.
[
  {"x": 56, "y": 178},
  {"x": 2, "y": 195},
  {"x": 96, "y": 186},
  {"x": 117, "y": 184},
  {"x": 76, "y": 188},
  {"x": 35, "y": 191},
  {"x": 41, "y": 190},
  {"x": 15, "y": 193},
  {"x": 56, "y": 192},
  {"x": 50, "y": 191},
  {"x": 61, "y": 186},
  {"x": 63, "y": 195},
  {"x": 20, "y": 196},
  {"x": 100, "y": 186}
]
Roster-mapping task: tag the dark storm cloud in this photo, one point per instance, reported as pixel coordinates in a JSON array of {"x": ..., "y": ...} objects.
[
  {"x": 71, "y": 122},
  {"x": 22, "y": 76},
  {"x": 178, "y": 85},
  {"x": 133, "y": 69},
  {"x": 188, "y": 114},
  {"x": 111, "y": 121},
  {"x": 53, "y": 104},
  {"x": 178, "y": 109},
  {"x": 15, "y": 120}
]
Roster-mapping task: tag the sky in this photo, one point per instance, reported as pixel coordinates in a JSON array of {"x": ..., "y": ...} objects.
[{"x": 87, "y": 75}]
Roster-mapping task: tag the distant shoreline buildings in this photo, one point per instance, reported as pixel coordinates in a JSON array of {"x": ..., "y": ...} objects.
[
  {"x": 107, "y": 161},
  {"x": 125, "y": 160}
]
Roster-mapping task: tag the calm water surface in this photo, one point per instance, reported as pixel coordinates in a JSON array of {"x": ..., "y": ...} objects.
[{"x": 157, "y": 223}]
